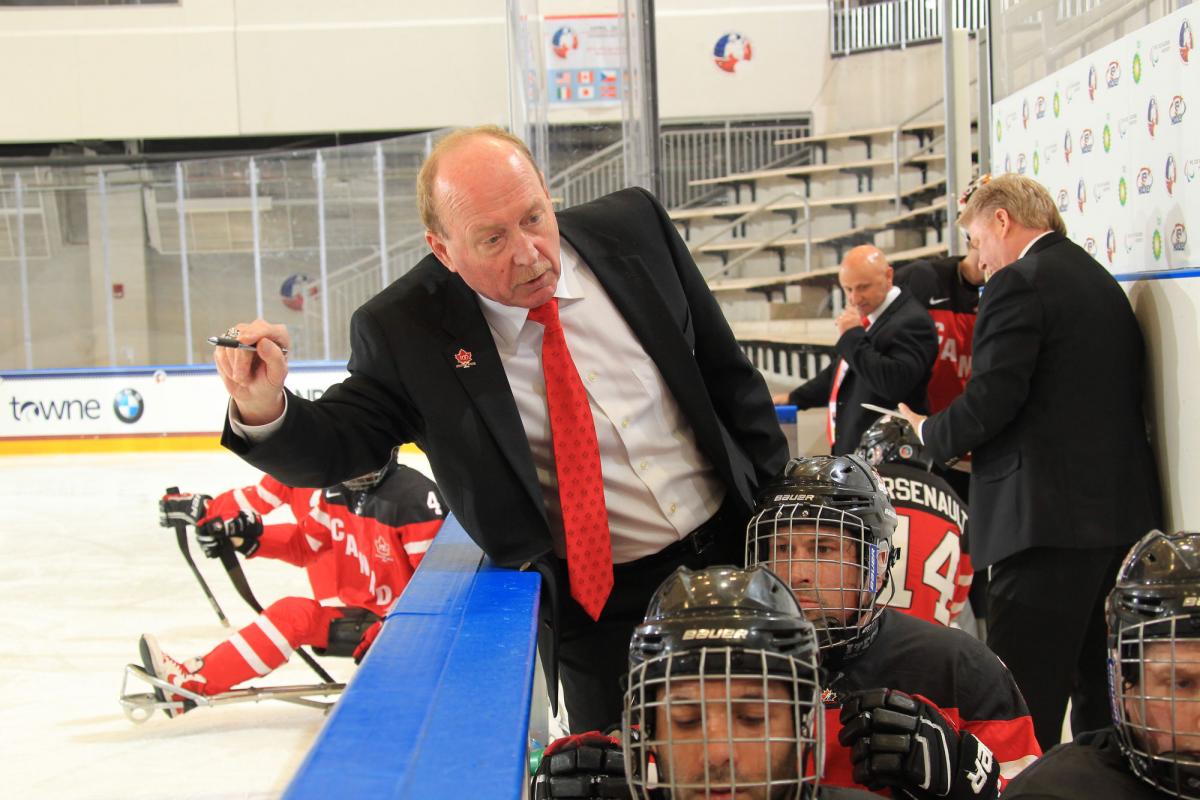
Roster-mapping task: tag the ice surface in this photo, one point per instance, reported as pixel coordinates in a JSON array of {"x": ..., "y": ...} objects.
[{"x": 84, "y": 570}]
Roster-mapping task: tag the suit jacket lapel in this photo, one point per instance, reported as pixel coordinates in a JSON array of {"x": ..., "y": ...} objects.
[{"x": 471, "y": 352}]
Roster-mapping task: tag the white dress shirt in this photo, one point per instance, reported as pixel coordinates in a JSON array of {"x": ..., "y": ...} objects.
[{"x": 658, "y": 486}]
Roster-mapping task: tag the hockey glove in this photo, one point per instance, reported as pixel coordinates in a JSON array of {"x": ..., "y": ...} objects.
[
  {"x": 368, "y": 639},
  {"x": 906, "y": 743},
  {"x": 586, "y": 766},
  {"x": 182, "y": 507},
  {"x": 242, "y": 532}
]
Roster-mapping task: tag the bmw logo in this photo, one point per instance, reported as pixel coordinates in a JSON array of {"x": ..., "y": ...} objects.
[{"x": 128, "y": 406}]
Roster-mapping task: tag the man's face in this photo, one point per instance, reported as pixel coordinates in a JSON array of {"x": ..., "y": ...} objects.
[
  {"x": 865, "y": 284},
  {"x": 739, "y": 743},
  {"x": 991, "y": 233},
  {"x": 499, "y": 231},
  {"x": 973, "y": 268},
  {"x": 821, "y": 562},
  {"x": 1165, "y": 706}
]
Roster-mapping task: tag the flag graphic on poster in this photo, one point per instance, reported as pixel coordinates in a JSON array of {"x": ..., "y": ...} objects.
[{"x": 586, "y": 53}]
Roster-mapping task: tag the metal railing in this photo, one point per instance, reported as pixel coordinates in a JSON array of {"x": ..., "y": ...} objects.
[
  {"x": 356, "y": 283},
  {"x": 858, "y": 28},
  {"x": 689, "y": 152}
]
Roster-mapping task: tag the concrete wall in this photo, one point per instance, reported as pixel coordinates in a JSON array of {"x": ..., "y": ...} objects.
[{"x": 249, "y": 67}]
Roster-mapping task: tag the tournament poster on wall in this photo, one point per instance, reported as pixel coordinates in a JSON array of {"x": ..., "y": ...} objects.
[
  {"x": 1112, "y": 139},
  {"x": 583, "y": 60}
]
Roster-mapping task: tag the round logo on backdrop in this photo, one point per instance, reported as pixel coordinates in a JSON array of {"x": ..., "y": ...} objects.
[
  {"x": 1106, "y": 138},
  {"x": 1081, "y": 194},
  {"x": 1087, "y": 140},
  {"x": 1178, "y": 109},
  {"x": 1037, "y": 162},
  {"x": 1041, "y": 106},
  {"x": 1007, "y": 162},
  {"x": 1137, "y": 67},
  {"x": 1112, "y": 75},
  {"x": 1025, "y": 113},
  {"x": 1020, "y": 163},
  {"x": 1152, "y": 115},
  {"x": 1156, "y": 244},
  {"x": 563, "y": 41},
  {"x": 1064, "y": 201},
  {"x": 1093, "y": 82},
  {"x": 1089, "y": 244},
  {"x": 128, "y": 406},
  {"x": 731, "y": 50},
  {"x": 295, "y": 289},
  {"x": 1110, "y": 244},
  {"x": 1179, "y": 238},
  {"x": 1170, "y": 175},
  {"x": 1186, "y": 43},
  {"x": 1067, "y": 146},
  {"x": 1057, "y": 105},
  {"x": 1122, "y": 191},
  {"x": 999, "y": 130},
  {"x": 1145, "y": 180}
]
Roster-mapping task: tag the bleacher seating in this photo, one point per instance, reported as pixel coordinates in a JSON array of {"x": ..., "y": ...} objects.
[{"x": 778, "y": 253}]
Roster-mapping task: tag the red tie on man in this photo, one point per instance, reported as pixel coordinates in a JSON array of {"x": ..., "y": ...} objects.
[
  {"x": 577, "y": 464},
  {"x": 831, "y": 413}
]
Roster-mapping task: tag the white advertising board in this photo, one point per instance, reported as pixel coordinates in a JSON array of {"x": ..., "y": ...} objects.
[
  {"x": 142, "y": 402},
  {"x": 1113, "y": 140}
]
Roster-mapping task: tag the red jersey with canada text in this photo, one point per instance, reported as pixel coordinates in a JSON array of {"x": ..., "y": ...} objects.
[
  {"x": 375, "y": 538},
  {"x": 931, "y": 575},
  {"x": 953, "y": 304}
]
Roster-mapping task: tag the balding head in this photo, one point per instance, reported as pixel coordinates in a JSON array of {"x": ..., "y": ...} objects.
[
  {"x": 866, "y": 278},
  {"x": 489, "y": 218},
  {"x": 464, "y": 148}
]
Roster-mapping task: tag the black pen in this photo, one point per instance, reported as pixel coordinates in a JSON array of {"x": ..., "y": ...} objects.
[{"x": 224, "y": 341}]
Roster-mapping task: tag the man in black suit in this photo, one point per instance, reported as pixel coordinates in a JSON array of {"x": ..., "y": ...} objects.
[
  {"x": 450, "y": 357},
  {"x": 1063, "y": 479},
  {"x": 886, "y": 348}
]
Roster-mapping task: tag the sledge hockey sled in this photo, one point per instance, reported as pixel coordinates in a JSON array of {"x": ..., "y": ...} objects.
[{"x": 139, "y": 707}]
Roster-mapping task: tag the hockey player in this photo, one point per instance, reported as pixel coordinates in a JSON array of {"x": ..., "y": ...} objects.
[
  {"x": 1153, "y": 749},
  {"x": 931, "y": 574},
  {"x": 723, "y": 701},
  {"x": 922, "y": 708},
  {"x": 949, "y": 289},
  {"x": 376, "y": 529}
]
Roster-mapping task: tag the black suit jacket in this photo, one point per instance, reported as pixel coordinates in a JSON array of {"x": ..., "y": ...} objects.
[
  {"x": 1052, "y": 413},
  {"x": 405, "y": 384},
  {"x": 889, "y": 364}
]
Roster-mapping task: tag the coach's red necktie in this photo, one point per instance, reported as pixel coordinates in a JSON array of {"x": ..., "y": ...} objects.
[
  {"x": 831, "y": 414},
  {"x": 577, "y": 464}
]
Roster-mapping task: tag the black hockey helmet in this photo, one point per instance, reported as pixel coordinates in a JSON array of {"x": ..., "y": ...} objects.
[
  {"x": 892, "y": 440},
  {"x": 825, "y": 526},
  {"x": 703, "y": 631},
  {"x": 1153, "y": 616},
  {"x": 372, "y": 479}
]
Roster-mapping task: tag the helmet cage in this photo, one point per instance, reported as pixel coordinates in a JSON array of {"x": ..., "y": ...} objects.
[
  {"x": 770, "y": 718},
  {"x": 830, "y": 559},
  {"x": 1151, "y": 710}
]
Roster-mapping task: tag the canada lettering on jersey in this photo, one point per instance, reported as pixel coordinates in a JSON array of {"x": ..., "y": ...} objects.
[
  {"x": 948, "y": 348},
  {"x": 933, "y": 499}
]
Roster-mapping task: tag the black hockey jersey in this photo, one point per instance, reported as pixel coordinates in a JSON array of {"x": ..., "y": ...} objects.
[
  {"x": 949, "y": 668},
  {"x": 1091, "y": 766}
]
